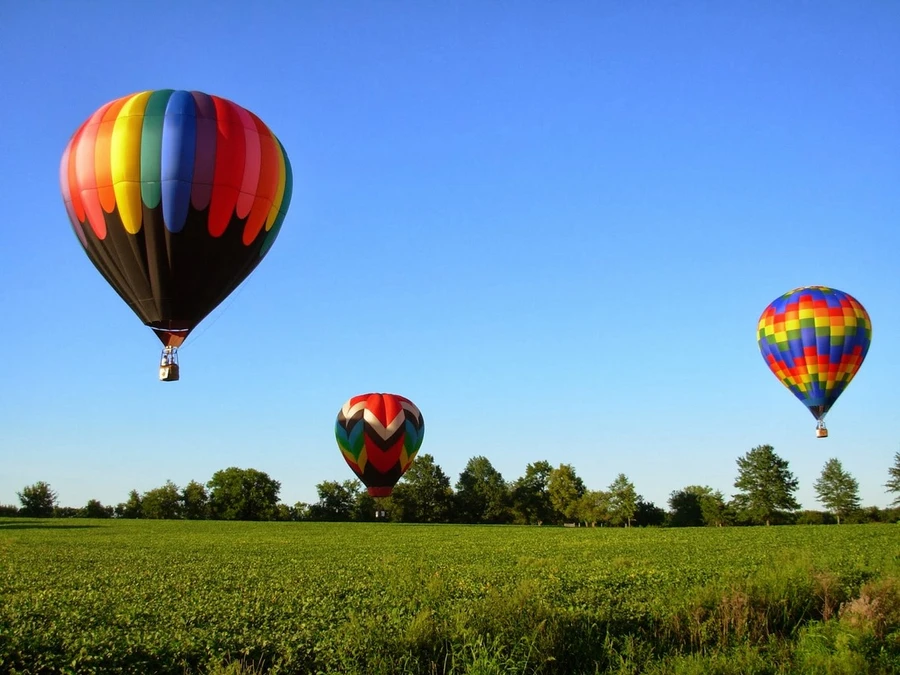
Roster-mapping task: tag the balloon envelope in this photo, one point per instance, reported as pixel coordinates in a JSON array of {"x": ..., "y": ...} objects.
[
  {"x": 379, "y": 435},
  {"x": 814, "y": 339},
  {"x": 175, "y": 196}
]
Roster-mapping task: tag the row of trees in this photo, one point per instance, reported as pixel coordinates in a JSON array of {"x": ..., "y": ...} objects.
[
  {"x": 231, "y": 494},
  {"x": 543, "y": 495}
]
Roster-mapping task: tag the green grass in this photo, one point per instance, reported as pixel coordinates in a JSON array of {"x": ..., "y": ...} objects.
[{"x": 96, "y": 596}]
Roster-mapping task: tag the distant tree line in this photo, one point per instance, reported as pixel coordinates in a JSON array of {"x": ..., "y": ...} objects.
[{"x": 544, "y": 495}]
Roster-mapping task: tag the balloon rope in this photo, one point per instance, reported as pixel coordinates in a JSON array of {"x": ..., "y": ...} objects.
[{"x": 234, "y": 296}]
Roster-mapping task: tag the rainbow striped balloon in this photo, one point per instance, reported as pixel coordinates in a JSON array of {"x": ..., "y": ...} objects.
[
  {"x": 814, "y": 339},
  {"x": 175, "y": 196}
]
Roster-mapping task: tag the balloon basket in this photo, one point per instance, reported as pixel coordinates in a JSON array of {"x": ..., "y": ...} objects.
[
  {"x": 821, "y": 431},
  {"x": 168, "y": 365}
]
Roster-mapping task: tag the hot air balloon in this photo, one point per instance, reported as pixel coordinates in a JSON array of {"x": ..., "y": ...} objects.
[
  {"x": 815, "y": 339},
  {"x": 175, "y": 196},
  {"x": 379, "y": 435}
]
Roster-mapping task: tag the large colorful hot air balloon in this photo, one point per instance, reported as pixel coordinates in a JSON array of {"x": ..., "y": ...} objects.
[
  {"x": 379, "y": 435},
  {"x": 815, "y": 339},
  {"x": 176, "y": 196}
]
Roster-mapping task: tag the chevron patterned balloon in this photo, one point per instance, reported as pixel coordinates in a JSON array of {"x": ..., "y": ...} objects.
[
  {"x": 379, "y": 435},
  {"x": 814, "y": 339}
]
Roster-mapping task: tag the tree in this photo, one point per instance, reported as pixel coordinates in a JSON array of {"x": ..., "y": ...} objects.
[
  {"x": 893, "y": 484},
  {"x": 566, "y": 489},
  {"x": 809, "y": 517},
  {"x": 685, "y": 505},
  {"x": 648, "y": 514},
  {"x": 337, "y": 501},
  {"x": 696, "y": 505},
  {"x": 133, "y": 508},
  {"x": 622, "y": 500},
  {"x": 162, "y": 503},
  {"x": 715, "y": 510},
  {"x": 364, "y": 507},
  {"x": 424, "y": 494},
  {"x": 37, "y": 500},
  {"x": 300, "y": 511},
  {"x": 94, "y": 509},
  {"x": 482, "y": 495},
  {"x": 530, "y": 497},
  {"x": 242, "y": 494},
  {"x": 194, "y": 501},
  {"x": 837, "y": 490},
  {"x": 593, "y": 507},
  {"x": 872, "y": 514},
  {"x": 765, "y": 483}
]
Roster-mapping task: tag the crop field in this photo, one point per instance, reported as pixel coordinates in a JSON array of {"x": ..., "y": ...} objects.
[{"x": 102, "y": 596}]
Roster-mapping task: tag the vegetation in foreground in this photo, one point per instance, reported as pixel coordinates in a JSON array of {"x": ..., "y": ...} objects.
[{"x": 99, "y": 596}]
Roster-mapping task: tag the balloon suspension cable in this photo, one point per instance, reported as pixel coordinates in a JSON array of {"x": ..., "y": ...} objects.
[
  {"x": 216, "y": 315},
  {"x": 821, "y": 431},
  {"x": 168, "y": 365}
]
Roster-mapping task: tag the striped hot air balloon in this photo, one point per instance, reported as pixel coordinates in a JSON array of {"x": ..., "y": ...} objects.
[
  {"x": 176, "y": 196},
  {"x": 814, "y": 339},
  {"x": 379, "y": 436}
]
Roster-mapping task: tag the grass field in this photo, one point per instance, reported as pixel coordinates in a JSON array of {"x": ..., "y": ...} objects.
[{"x": 92, "y": 596}]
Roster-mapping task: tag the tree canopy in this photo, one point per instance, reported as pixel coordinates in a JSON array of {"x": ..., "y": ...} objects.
[
  {"x": 37, "y": 500},
  {"x": 530, "y": 495},
  {"x": 623, "y": 500},
  {"x": 893, "y": 484},
  {"x": 243, "y": 494},
  {"x": 566, "y": 489},
  {"x": 543, "y": 495},
  {"x": 481, "y": 493},
  {"x": 837, "y": 489},
  {"x": 766, "y": 485},
  {"x": 424, "y": 494}
]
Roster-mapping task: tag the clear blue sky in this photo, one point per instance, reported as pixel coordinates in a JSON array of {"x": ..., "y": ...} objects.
[{"x": 551, "y": 226}]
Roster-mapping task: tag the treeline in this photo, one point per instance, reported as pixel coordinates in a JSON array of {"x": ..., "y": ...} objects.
[{"x": 544, "y": 495}]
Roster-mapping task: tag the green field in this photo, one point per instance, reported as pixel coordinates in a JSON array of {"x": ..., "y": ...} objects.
[{"x": 92, "y": 596}]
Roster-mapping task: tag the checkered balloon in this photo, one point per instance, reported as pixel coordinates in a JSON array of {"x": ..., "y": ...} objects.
[{"x": 815, "y": 339}]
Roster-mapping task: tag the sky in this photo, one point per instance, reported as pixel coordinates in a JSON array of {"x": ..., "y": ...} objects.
[{"x": 551, "y": 226}]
